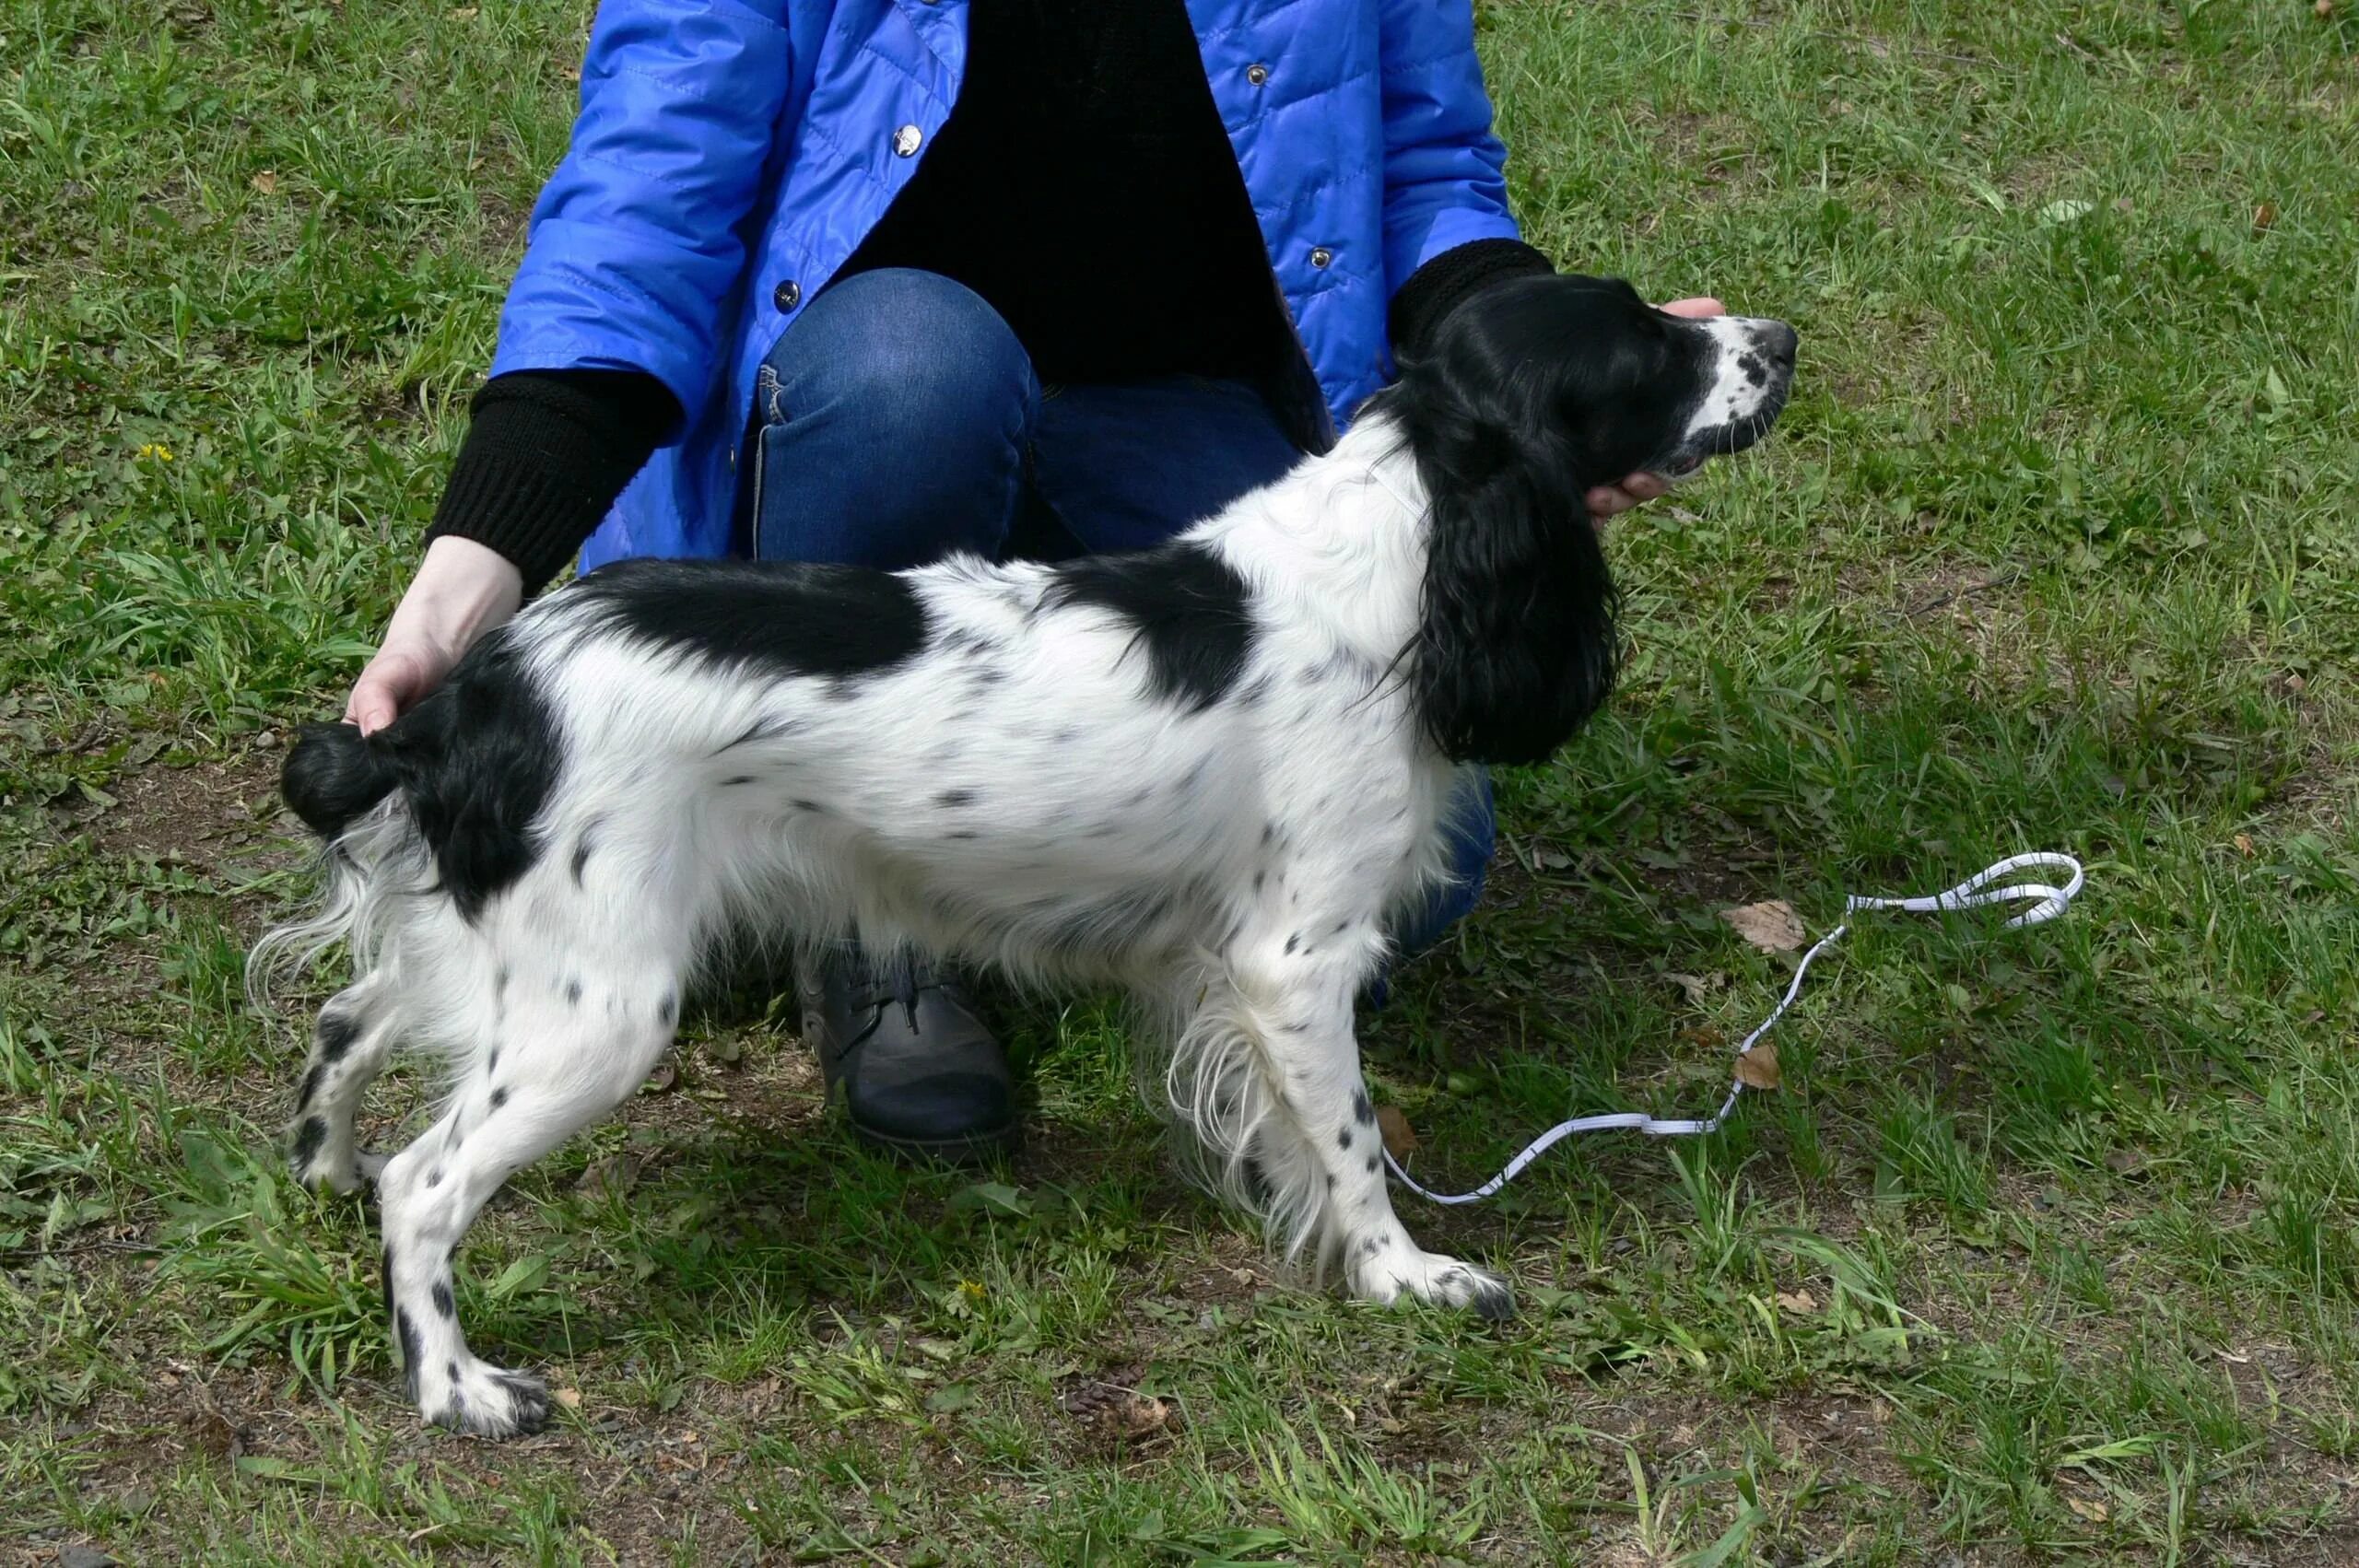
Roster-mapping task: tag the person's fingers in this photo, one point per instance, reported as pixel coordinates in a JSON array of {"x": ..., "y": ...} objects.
[
  {"x": 391, "y": 683},
  {"x": 376, "y": 700},
  {"x": 371, "y": 708},
  {"x": 1608, "y": 501}
]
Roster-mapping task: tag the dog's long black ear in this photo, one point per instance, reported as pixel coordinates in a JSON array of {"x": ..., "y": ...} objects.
[
  {"x": 1515, "y": 638},
  {"x": 1516, "y": 643}
]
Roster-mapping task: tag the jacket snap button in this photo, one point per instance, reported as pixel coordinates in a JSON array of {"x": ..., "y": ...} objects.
[
  {"x": 1320, "y": 255},
  {"x": 906, "y": 140},
  {"x": 787, "y": 296},
  {"x": 1257, "y": 73}
]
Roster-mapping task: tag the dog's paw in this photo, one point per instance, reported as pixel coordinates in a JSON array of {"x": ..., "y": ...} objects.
[
  {"x": 484, "y": 1401},
  {"x": 321, "y": 1157},
  {"x": 340, "y": 1177},
  {"x": 1438, "y": 1280},
  {"x": 341, "y": 1174}
]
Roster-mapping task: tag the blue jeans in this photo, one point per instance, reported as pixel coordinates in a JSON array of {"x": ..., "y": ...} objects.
[{"x": 900, "y": 420}]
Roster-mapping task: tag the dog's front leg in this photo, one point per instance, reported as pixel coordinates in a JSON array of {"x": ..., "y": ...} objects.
[{"x": 1324, "y": 1130}]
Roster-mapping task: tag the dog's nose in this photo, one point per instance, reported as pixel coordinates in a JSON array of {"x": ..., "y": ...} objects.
[{"x": 1780, "y": 340}]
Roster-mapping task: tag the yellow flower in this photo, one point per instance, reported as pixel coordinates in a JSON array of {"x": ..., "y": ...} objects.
[{"x": 161, "y": 453}]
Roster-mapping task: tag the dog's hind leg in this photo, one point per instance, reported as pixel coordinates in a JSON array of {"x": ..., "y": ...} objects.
[
  {"x": 349, "y": 1044},
  {"x": 1316, "y": 1153},
  {"x": 571, "y": 1048}
]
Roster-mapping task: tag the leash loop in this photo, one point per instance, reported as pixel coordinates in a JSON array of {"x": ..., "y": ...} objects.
[{"x": 2048, "y": 901}]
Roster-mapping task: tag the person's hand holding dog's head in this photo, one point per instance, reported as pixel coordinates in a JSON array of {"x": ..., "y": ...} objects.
[{"x": 1606, "y": 500}]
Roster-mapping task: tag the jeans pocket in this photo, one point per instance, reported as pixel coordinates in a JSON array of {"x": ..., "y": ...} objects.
[
  {"x": 755, "y": 477},
  {"x": 768, "y": 417}
]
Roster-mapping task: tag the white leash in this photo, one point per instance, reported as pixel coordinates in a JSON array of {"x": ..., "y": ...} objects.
[{"x": 1974, "y": 893}]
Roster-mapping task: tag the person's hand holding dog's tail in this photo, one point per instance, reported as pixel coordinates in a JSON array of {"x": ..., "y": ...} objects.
[{"x": 460, "y": 591}]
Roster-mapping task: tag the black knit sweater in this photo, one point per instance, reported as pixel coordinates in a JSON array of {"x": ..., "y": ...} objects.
[{"x": 1082, "y": 184}]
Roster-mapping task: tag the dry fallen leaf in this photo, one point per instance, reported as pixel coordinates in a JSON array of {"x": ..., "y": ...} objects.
[
  {"x": 267, "y": 181},
  {"x": 2264, "y": 218},
  {"x": 1773, "y": 927},
  {"x": 1696, "y": 986},
  {"x": 1399, "y": 1138},
  {"x": 2323, "y": 10},
  {"x": 1143, "y": 1415},
  {"x": 214, "y": 1431},
  {"x": 2243, "y": 844},
  {"x": 1119, "y": 1413},
  {"x": 614, "y": 1174},
  {"x": 2093, "y": 1511},
  {"x": 666, "y": 1074},
  {"x": 1796, "y": 1300},
  {"x": 1757, "y": 1069},
  {"x": 570, "y": 1397}
]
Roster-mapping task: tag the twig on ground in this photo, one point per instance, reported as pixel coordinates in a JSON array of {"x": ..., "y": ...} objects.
[
  {"x": 2011, "y": 575},
  {"x": 69, "y": 1250}
]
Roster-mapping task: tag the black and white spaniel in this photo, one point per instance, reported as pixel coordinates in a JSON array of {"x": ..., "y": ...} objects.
[{"x": 1208, "y": 774}]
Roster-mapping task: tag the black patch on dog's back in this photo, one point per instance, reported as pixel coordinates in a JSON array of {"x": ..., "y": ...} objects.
[
  {"x": 788, "y": 619},
  {"x": 1189, "y": 606}
]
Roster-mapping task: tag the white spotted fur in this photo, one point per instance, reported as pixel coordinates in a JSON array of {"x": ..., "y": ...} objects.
[
  {"x": 1268, "y": 839},
  {"x": 1312, "y": 811}
]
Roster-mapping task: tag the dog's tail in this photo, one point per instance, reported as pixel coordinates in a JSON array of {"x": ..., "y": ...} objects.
[
  {"x": 332, "y": 775},
  {"x": 343, "y": 787}
]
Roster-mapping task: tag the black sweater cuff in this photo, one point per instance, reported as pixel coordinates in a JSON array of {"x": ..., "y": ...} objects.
[
  {"x": 1444, "y": 282},
  {"x": 545, "y": 457}
]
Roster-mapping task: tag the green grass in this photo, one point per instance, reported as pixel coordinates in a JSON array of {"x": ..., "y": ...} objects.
[{"x": 2044, "y": 1252}]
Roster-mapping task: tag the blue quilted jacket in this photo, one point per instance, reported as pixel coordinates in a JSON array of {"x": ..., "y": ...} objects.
[{"x": 731, "y": 153}]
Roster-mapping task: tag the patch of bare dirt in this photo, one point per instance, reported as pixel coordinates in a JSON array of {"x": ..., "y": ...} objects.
[
  {"x": 640, "y": 1474},
  {"x": 207, "y": 815}
]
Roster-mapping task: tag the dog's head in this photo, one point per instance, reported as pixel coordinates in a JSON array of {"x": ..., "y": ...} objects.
[{"x": 1529, "y": 395}]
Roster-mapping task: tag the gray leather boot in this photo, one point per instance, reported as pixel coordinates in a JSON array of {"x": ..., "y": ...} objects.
[{"x": 902, "y": 1049}]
